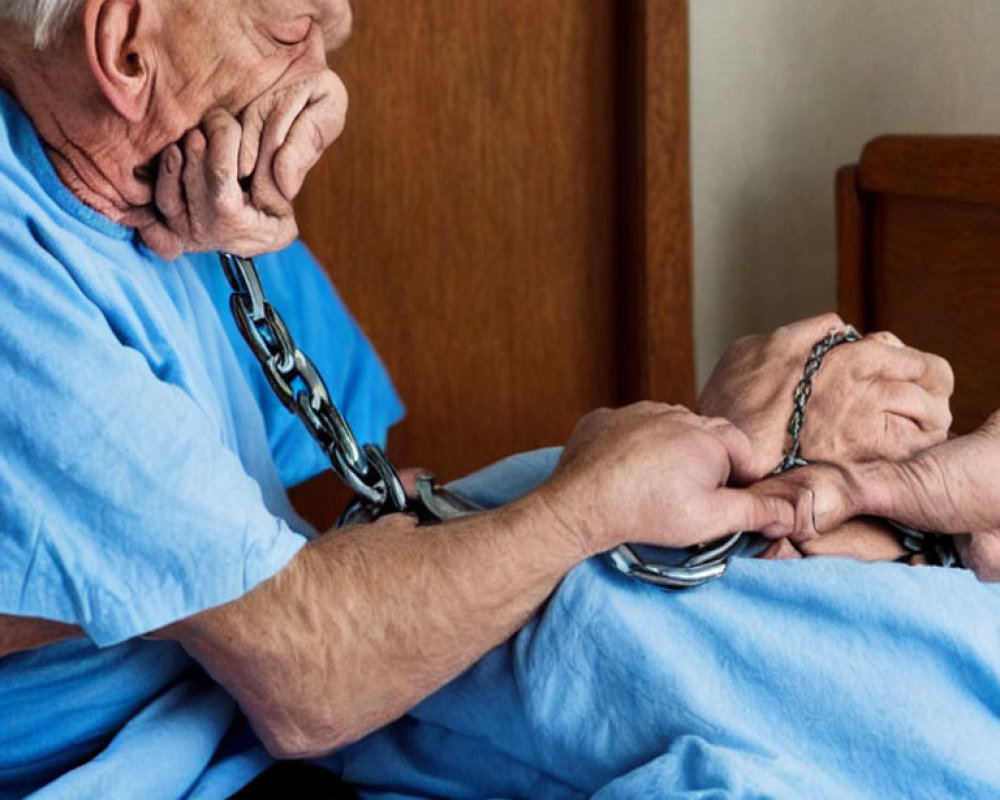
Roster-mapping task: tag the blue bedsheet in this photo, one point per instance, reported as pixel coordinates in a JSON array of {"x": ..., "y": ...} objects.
[{"x": 822, "y": 678}]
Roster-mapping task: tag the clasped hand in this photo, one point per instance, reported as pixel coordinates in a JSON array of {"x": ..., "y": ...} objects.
[
  {"x": 872, "y": 399},
  {"x": 949, "y": 488},
  {"x": 228, "y": 185},
  {"x": 662, "y": 475}
]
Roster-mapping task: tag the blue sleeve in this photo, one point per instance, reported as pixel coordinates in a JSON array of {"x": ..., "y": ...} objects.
[
  {"x": 121, "y": 509},
  {"x": 324, "y": 330}
]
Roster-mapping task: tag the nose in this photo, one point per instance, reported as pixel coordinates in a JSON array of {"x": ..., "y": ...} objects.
[{"x": 337, "y": 24}]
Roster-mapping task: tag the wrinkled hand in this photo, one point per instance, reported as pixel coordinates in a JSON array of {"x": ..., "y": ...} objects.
[
  {"x": 657, "y": 474},
  {"x": 871, "y": 399},
  {"x": 230, "y": 183},
  {"x": 949, "y": 488}
]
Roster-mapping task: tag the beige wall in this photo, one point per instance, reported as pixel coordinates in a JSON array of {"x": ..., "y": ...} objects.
[{"x": 785, "y": 91}]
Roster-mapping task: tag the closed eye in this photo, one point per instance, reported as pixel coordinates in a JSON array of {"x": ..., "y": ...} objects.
[{"x": 293, "y": 35}]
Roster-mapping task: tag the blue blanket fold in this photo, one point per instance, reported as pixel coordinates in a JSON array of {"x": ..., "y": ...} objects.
[{"x": 818, "y": 678}]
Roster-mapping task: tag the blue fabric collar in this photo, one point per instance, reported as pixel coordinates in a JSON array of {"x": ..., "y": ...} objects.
[{"x": 28, "y": 149}]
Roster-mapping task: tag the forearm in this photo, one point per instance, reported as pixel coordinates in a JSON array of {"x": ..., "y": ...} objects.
[
  {"x": 27, "y": 633},
  {"x": 366, "y": 622}
]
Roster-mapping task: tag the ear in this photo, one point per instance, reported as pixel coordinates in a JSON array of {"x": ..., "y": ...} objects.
[{"x": 120, "y": 53}]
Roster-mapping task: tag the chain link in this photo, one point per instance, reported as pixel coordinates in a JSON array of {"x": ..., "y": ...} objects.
[
  {"x": 369, "y": 473},
  {"x": 300, "y": 388},
  {"x": 709, "y": 561},
  {"x": 803, "y": 391}
]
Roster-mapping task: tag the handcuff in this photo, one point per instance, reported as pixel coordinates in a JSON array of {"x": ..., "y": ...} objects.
[
  {"x": 703, "y": 563},
  {"x": 376, "y": 484}
]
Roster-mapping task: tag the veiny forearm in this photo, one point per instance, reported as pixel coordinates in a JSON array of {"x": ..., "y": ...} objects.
[{"x": 366, "y": 622}]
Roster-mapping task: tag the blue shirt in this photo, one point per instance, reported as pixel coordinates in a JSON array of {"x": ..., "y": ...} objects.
[{"x": 143, "y": 469}]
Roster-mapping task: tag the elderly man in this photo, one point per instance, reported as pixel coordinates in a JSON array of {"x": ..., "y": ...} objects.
[{"x": 147, "y": 537}]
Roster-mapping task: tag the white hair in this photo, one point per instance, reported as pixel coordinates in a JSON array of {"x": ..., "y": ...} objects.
[{"x": 45, "y": 19}]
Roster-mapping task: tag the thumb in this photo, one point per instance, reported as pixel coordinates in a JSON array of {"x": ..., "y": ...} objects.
[
  {"x": 746, "y": 510},
  {"x": 738, "y": 449},
  {"x": 822, "y": 495},
  {"x": 162, "y": 241}
]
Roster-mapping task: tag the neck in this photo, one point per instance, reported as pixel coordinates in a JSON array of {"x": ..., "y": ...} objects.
[{"x": 90, "y": 146}]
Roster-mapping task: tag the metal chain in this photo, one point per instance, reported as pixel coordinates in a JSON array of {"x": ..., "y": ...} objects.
[
  {"x": 709, "y": 561},
  {"x": 803, "y": 391},
  {"x": 364, "y": 468},
  {"x": 936, "y": 548},
  {"x": 370, "y": 474}
]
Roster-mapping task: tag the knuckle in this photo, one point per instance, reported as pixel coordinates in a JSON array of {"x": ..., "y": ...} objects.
[
  {"x": 943, "y": 367},
  {"x": 596, "y": 415},
  {"x": 885, "y": 338},
  {"x": 218, "y": 120},
  {"x": 747, "y": 342},
  {"x": 830, "y": 319}
]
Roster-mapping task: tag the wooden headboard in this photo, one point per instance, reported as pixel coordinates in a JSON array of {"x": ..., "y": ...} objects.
[{"x": 918, "y": 230}]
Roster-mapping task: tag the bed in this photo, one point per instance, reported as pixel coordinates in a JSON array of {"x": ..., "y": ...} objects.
[
  {"x": 918, "y": 234},
  {"x": 918, "y": 226},
  {"x": 650, "y": 690}
]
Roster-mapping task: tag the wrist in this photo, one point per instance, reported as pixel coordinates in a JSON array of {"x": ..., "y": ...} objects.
[
  {"x": 868, "y": 488},
  {"x": 551, "y": 516}
]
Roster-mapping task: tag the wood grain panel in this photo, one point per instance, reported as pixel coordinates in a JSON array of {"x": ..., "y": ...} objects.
[
  {"x": 926, "y": 265},
  {"x": 656, "y": 203},
  {"x": 468, "y": 217},
  {"x": 852, "y": 281},
  {"x": 960, "y": 168},
  {"x": 508, "y": 215},
  {"x": 936, "y": 283}
]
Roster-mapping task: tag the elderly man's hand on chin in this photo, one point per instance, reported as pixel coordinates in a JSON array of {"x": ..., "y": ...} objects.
[
  {"x": 949, "y": 488},
  {"x": 230, "y": 183},
  {"x": 875, "y": 398}
]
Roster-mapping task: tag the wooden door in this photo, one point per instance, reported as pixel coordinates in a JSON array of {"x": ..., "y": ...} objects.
[{"x": 507, "y": 214}]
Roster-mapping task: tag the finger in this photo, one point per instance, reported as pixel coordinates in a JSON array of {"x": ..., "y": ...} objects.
[
  {"x": 805, "y": 333},
  {"x": 743, "y": 510},
  {"x": 264, "y": 190},
  {"x": 252, "y": 121},
  {"x": 928, "y": 412},
  {"x": 162, "y": 241},
  {"x": 223, "y": 136},
  {"x": 738, "y": 448},
  {"x": 886, "y": 338},
  {"x": 901, "y": 363},
  {"x": 980, "y": 552},
  {"x": 904, "y": 439},
  {"x": 169, "y": 193},
  {"x": 940, "y": 377},
  {"x": 307, "y": 141},
  {"x": 193, "y": 175},
  {"x": 311, "y": 133},
  {"x": 781, "y": 549},
  {"x": 165, "y": 237},
  {"x": 823, "y": 497}
]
